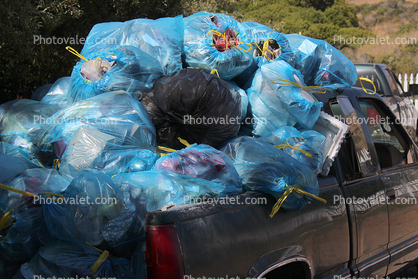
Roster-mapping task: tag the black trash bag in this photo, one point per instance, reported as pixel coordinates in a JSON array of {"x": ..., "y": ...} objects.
[{"x": 194, "y": 105}]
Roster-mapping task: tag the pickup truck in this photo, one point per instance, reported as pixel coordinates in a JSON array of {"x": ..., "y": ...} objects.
[
  {"x": 389, "y": 88},
  {"x": 367, "y": 227}
]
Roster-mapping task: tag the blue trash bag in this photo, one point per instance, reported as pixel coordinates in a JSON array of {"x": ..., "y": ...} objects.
[
  {"x": 57, "y": 94},
  {"x": 263, "y": 167},
  {"x": 91, "y": 148},
  {"x": 203, "y": 161},
  {"x": 115, "y": 122},
  {"x": 93, "y": 209},
  {"x": 161, "y": 38},
  {"x": 244, "y": 99},
  {"x": 306, "y": 146},
  {"x": 11, "y": 166},
  {"x": 216, "y": 41},
  {"x": 322, "y": 64},
  {"x": 35, "y": 181},
  {"x": 268, "y": 45},
  {"x": 17, "y": 117},
  {"x": 62, "y": 259},
  {"x": 119, "y": 68},
  {"x": 20, "y": 241},
  {"x": 40, "y": 92},
  {"x": 155, "y": 189},
  {"x": 277, "y": 103}
]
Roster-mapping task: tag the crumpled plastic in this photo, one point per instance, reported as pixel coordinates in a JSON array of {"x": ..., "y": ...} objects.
[
  {"x": 306, "y": 146},
  {"x": 119, "y": 68},
  {"x": 70, "y": 260},
  {"x": 321, "y": 64},
  {"x": 277, "y": 103},
  {"x": 196, "y": 106},
  {"x": 268, "y": 45},
  {"x": 24, "y": 229},
  {"x": 20, "y": 241},
  {"x": 91, "y": 148},
  {"x": 244, "y": 99},
  {"x": 35, "y": 181},
  {"x": 93, "y": 209},
  {"x": 57, "y": 94},
  {"x": 117, "y": 135},
  {"x": 203, "y": 161},
  {"x": 263, "y": 167},
  {"x": 17, "y": 117},
  {"x": 161, "y": 38},
  {"x": 215, "y": 41},
  {"x": 152, "y": 190}
]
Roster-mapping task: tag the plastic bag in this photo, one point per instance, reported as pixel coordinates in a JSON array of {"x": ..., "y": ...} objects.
[
  {"x": 35, "y": 181},
  {"x": 24, "y": 237},
  {"x": 90, "y": 205},
  {"x": 11, "y": 166},
  {"x": 194, "y": 105},
  {"x": 204, "y": 162},
  {"x": 57, "y": 94},
  {"x": 161, "y": 38},
  {"x": 90, "y": 148},
  {"x": 119, "y": 68},
  {"x": 71, "y": 260},
  {"x": 244, "y": 99},
  {"x": 114, "y": 113},
  {"x": 216, "y": 41},
  {"x": 155, "y": 189},
  {"x": 263, "y": 167},
  {"x": 40, "y": 92},
  {"x": 322, "y": 64},
  {"x": 277, "y": 103},
  {"x": 17, "y": 117},
  {"x": 305, "y": 146},
  {"x": 268, "y": 45}
]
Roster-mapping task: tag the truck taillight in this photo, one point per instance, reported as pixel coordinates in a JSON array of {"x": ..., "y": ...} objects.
[{"x": 163, "y": 255}]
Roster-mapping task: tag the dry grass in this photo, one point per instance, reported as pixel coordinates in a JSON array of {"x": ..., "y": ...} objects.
[
  {"x": 359, "y": 2},
  {"x": 380, "y": 50}
]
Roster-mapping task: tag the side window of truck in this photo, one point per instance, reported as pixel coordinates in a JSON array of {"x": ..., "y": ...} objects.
[
  {"x": 354, "y": 153},
  {"x": 394, "y": 85},
  {"x": 392, "y": 148}
]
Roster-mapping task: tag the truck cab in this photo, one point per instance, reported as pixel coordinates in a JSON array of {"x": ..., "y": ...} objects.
[{"x": 389, "y": 88}]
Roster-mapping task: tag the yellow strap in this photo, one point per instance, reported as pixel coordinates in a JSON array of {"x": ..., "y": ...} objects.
[
  {"x": 103, "y": 257},
  {"x": 8, "y": 188},
  {"x": 216, "y": 32},
  {"x": 215, "y": 71},
  {"x": 265, "y": 49},
  {"x": 280, "y": 146},
  {"x": 280, "y": 201},
  {"x": 165, "y": 149},
  {"x": 6, "y": 219},
  {"x": 366, "y": 79},
  {"x": 291, "y": 83},
  {"x": 183, "y": 141},
  {"x": 57, "y": 163},
  {"x": 73, "y": 51}
]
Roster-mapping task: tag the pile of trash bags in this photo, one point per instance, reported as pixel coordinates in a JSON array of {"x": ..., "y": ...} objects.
[{"x": 158, "y": 113}]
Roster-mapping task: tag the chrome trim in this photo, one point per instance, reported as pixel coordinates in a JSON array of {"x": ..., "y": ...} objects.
[
  {"x": 404, "y": 248},
  {"x": 288, "y": 261},
  {"x": 373, "y": 263}
]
